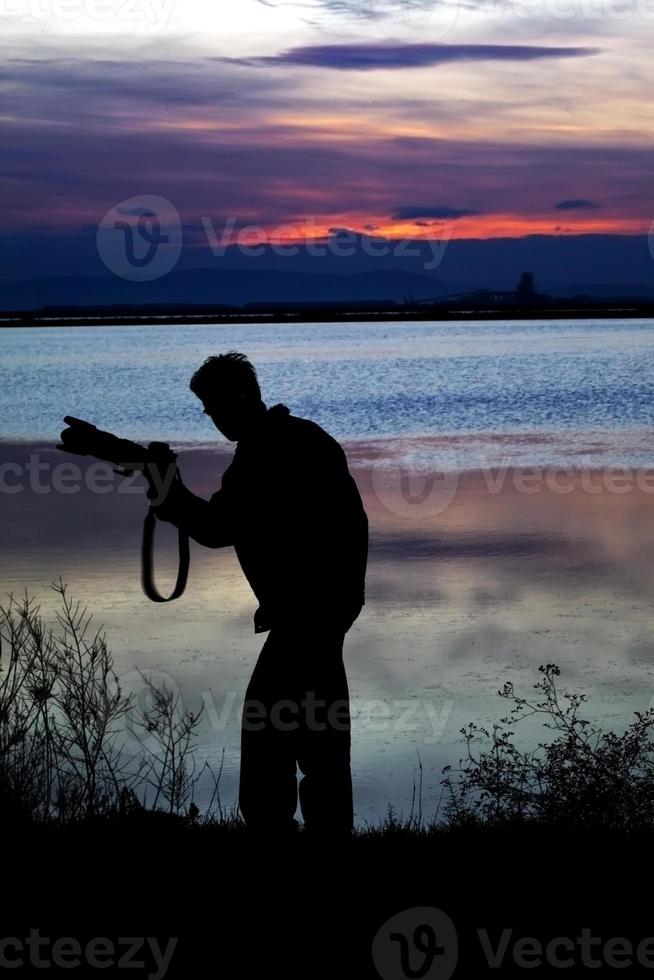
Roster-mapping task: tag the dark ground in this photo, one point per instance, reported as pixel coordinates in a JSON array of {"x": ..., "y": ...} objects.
[{"x": 310, "y": 910}]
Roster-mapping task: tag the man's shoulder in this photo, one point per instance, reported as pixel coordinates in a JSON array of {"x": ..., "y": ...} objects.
[{"x": 306, "y": 432}]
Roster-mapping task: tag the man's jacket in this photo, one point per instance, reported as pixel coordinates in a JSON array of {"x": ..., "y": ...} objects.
[{"x": 291, "y": 509}]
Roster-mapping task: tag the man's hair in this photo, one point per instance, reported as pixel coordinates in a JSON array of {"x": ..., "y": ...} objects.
[{"x": 228, "y": 373}]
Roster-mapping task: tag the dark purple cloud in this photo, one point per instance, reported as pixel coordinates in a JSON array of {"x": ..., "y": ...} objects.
[
  {"x": 363, "y": 57},
  {"x": 431, "y": 211},
  {"x": 580, "y": 204}
]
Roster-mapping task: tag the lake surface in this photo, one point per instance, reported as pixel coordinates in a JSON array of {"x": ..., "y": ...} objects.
[
  {"x": 474, "y": 578},
  {"x": 584, "y": 388}
]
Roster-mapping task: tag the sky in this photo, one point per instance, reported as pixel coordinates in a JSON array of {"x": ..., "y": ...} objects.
[{"x": 469, "y": 118}]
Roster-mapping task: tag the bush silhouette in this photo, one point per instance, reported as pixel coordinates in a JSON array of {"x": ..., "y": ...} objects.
[
  {"x": 583, "y": 778},
  {"x": 63, "y": 716}
]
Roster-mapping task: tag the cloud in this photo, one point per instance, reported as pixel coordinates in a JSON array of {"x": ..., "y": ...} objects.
[
  {"x": 430, "y": 211},
  {"x": 353, "y": 236},
  {"x": 579, "y": 204},
  {"x": 364, "y": 57},
  {"x": 261, "y": 156}
]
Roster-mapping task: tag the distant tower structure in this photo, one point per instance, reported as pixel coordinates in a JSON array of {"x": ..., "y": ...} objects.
[{"x": 526, "y": 288}]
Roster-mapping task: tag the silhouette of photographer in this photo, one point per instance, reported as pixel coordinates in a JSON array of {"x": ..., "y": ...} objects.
[{"x": 292, "y": 511}]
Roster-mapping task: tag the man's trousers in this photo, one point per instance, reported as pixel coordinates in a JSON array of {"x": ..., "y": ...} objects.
[{"x": 296, "y": 714}]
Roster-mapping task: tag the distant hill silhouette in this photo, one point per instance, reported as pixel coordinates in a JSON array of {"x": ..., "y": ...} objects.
[
  {"x": 228, "y": 286},
  {"x": 70, "y": 271}
]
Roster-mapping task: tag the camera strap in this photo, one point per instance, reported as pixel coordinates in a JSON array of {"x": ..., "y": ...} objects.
[{"x": 147, "y": 561}]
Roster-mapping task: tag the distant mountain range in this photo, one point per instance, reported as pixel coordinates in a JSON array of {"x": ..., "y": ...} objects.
[
  {"x": 598, "y": 266},
  {"x": 233, "y": 287}
]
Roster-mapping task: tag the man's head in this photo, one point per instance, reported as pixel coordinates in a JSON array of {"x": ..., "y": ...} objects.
[{"x": 228, "y": 388}]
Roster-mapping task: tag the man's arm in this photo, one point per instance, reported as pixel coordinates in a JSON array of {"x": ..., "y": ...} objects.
[{"x": 211, "y": 523}]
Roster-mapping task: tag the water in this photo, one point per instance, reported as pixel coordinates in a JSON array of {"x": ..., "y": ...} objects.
[
  {"x": 582, "y": 389},
  {"x": 462, "y": 594}
]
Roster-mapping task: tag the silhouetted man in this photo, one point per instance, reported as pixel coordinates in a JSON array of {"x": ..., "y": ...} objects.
[{"x": 293, "y": 513}]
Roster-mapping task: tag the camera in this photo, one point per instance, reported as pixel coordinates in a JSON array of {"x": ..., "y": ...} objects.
[
  {"x": 158, "y": 463},
  {"x": 85, "y": 439}
]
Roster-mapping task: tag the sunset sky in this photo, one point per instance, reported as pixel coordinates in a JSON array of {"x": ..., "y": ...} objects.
[{"x": 483, "y": 118}]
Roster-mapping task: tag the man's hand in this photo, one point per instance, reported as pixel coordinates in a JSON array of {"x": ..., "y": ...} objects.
[{"x": 160, "y": 471}]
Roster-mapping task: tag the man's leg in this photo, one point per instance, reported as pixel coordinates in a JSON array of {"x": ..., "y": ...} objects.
[
  {"x": 268, "y": 781},
  {"x": 323, "y": 742}
]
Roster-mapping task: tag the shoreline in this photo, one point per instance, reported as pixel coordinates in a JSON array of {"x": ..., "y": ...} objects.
[{"x": 19, "y": 319}]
